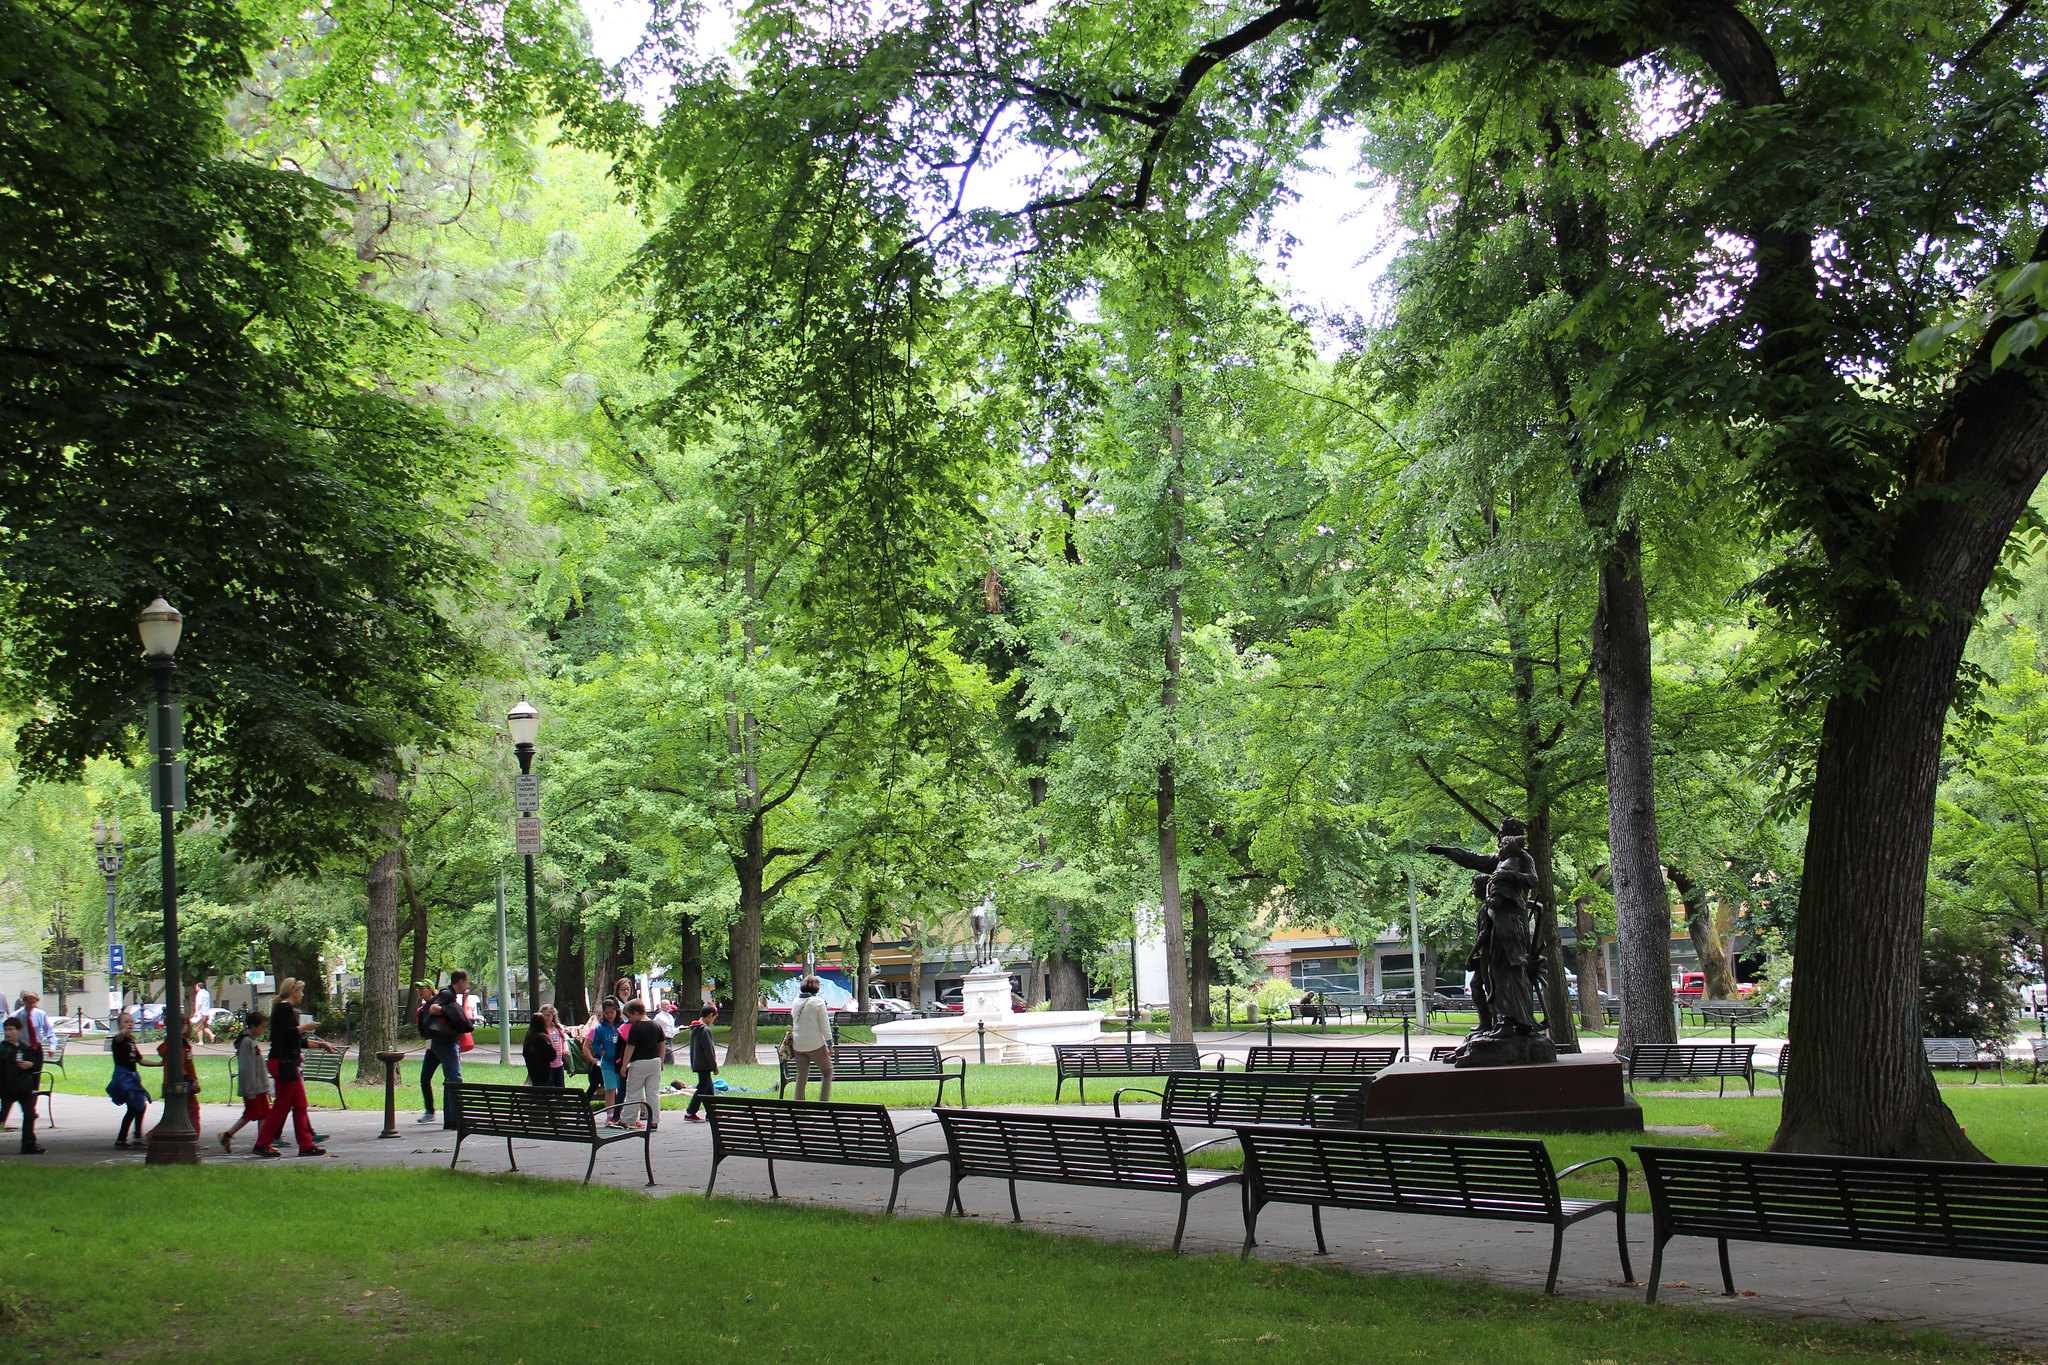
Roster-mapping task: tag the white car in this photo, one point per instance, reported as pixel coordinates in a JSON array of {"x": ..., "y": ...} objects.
[
  {"x": 889, "y": 1004},
  {"x": 73, "y": 1026}
]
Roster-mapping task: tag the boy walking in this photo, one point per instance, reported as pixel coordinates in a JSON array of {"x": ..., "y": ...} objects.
[
  {"x": 252, "y": 1077},
  {"x": 703, "y": 1059},
  {"x": 21, "y": 1075}
]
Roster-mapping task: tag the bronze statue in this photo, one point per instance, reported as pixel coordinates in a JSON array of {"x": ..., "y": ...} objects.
[{"x": 1504, "y": 963}]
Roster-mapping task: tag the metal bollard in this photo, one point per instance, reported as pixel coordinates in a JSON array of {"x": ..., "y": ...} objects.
[
  {"x": 391, "y": 1061},
  {"x": 981, "y": 1041},
  {"x": 1407, "y": 1054}
]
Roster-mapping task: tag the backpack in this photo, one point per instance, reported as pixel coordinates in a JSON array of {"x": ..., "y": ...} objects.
[{"x": 419, "y": 1019}]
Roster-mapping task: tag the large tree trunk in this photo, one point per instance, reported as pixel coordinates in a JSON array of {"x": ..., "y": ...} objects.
[
  {"x": 864, "y": 966},
  {"x": 1066, "y": 983},
  {"x": 689, "y": 969},
  {"x": 379, "y": 1027},
  {"x": 419, "y": 942},
  {"x": 743, "y": 952},
  {"x": 571, "y": 1002},
  {"x": 1706, "y": 938},
  {"x": 1201, "y": 966},
  {"x": 1642, "y": 908},
  {"x": 1588, "y": 955},
  {"x": 1559, "y": 1022},
  {"x": 1863, "y": 1087},
  {"x": 1180, "y": 1022}
]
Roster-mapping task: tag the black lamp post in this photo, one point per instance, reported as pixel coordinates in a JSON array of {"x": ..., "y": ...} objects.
[
  {"x": 523, "y": 721},
  {"x": 172, "y": 1142},
  {"x": 106, "y": 851}
]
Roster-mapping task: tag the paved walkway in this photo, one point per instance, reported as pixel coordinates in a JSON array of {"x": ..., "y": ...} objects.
[{"x": 1987, "y": 1300}]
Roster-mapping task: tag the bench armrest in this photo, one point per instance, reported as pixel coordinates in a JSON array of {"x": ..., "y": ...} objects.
[
  {"x": 1186, "y": 1151},
  {"x": 1116, "y": 1101},
  {"x": 915, "y": 1126},
  {"x": 1220, "y": 1058},
  {"x": 959, "y": 1064},
  {"x": 1620, "y": 1172}
]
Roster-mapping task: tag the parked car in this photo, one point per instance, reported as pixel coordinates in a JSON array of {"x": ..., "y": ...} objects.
[
  {"x": 148, "y": 1015},
  {"x": 73, "y": 1026},
  {"x": 879, "y": 1002},
  {"x": 1695, "y": 984}
]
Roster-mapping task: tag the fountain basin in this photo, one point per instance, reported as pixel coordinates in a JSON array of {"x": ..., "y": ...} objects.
[{"x": 1015, "y": 1038}]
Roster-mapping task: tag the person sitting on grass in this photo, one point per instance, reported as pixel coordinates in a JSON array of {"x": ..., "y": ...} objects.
[{"x": 252, "y": 1077}]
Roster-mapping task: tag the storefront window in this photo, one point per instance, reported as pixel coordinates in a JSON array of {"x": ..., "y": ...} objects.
[{"x": 1329, "y": 975}]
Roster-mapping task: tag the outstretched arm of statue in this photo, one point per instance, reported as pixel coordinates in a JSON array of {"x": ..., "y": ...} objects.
[{"x": 1477, "y": 862}]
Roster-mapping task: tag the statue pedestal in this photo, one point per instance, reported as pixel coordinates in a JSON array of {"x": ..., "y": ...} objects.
[{"x": 1577, "y": 1093}]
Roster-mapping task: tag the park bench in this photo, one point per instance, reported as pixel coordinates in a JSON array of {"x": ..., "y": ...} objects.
[
  {"x": 876, "y": 1062},
  {"x": 2040, "y": 1062},
  {"x": 1964, "y": 1054},
  {"x": 1782, "y": 1067},
  {"x": 1219, "y": 1099},
  {"x": 1610, "y": 1012},
  {"x": 827, "y": 1132},
  {"x": 1443, "y": 1054},
  {"x": 1322, "y": 1061},
  {"x": 1386, "y": 1009},
  {"x": 537, "y": 1114},
  {"x": 1693, "y": 1061},
  {"x": 1509, "y": 1179},
  {"x": 325, "y": 1068},
  {"x": 1079, "y": 1061},
  {"x": 53, "y": 1055},
  {"x": 1063, "y": 1149},
  {"x": 1973, "y": 1210}
]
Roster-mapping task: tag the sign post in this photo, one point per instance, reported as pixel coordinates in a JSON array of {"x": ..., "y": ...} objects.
[{"x": 505, "y": 986}]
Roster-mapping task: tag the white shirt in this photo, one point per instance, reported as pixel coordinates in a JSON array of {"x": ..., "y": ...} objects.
[
  {"x": 38, "y": 1023},
  {"x": 667, "y": 1023},
  {"x": 810, "y": 1025},
  {"x": 202, "y": 1001}
]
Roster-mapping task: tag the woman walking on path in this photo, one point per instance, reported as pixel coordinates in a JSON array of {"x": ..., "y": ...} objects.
[
  {"x": 703, "y": 1059},
  {"x": 163, "y": 1052},
  {"x": 252, "y": 1078},
  {"x": 810, "y": 1038},
  {"x": 21, "y": 1076},
  {"x": 126, "y": 1087},
  {"x": 287, "y": 1049},
  {"x": 604, "y": 1050},
  {"x": 546, "y": 1049},
  {"x": 640, "y": 1063}
]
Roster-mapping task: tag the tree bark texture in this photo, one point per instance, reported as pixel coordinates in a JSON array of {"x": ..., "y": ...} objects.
[
  {"x": 378, "y": 1030},
  {"x": 1560, "y": 1023},
  {"x": 571, "y": 1001},
  {"x": 1588, "y": 966},
  {"x": 1862, "y": 901},
  {"x": 1642, "y": 907},
  {"x": 1066, "y": 983},
  {"x": 1705, "y": 936},
  {"x": 1174, "y": 930},
  {"x": 864, "y": 967},
  {"x": 1201, "y": 966},
  {"x": 689, "y": 969},
  {"x": 743, "y": 952}
]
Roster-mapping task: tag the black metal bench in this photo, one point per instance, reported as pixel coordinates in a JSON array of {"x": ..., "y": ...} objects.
[
  {"x": 1724, "y": 1012},
  {"x": 53, "y": 1055},
  {"x": 2040, "y": 1062},
  {"x": 1063, "y": 1149},
  {"x": 1386, "y": 1009},
  {"x": 829, "y": 1133},
  {"x": 1964, "y": 1054},
  {"x": 1510, "y": 1179},
  {"x": 1322, "y": 1061},
  {"x": 537, "y": 1114},
  {"x": 1693, "y": 1061},
  {"x": 1219, "y": 1099},
  {"x": 1079, "y": 1061},
  {"x": 1974, "y": 1210},
  {"x": 1443, "y": 1054},
  {"x": 879, "y": 1062},
  {"x": 319, "y": 1065}
]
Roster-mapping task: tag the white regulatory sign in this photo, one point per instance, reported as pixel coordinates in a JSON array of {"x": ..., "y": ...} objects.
[
  {"x": 526, "y": 792},
  {"x": 526, "y": 836}
]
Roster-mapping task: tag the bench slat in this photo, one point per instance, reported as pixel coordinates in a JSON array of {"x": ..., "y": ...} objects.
[{"x": 1362, "y": 1061}]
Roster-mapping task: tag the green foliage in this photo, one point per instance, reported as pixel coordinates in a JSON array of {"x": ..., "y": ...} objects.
[{"x": 1967, "y": 986}]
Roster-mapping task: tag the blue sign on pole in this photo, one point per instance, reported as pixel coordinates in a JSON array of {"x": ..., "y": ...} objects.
[{"x": 115, "y": 961}]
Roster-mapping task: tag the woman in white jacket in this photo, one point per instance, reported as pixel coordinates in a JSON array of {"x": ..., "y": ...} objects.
[{"x": 810, "y": 1038}]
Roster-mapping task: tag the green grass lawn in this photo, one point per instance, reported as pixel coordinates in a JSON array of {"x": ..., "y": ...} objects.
[{"x": 268, "y": 1265}]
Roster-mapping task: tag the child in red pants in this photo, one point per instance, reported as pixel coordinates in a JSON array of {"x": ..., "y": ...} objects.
[{"x": 252, "y": 1077}]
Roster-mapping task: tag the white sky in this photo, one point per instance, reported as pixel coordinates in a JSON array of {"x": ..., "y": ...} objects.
[{"x": 1340, "y": 226}]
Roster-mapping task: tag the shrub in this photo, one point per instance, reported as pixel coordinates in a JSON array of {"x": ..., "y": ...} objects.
[{"x": 1967, "y": 985}]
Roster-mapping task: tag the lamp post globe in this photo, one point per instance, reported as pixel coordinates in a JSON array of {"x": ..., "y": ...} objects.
[
  {"x": 522, "y": 722},
  {"x": 173, "y": 1142}
]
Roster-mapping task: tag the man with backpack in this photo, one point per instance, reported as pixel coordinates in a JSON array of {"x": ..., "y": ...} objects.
[
  {"x": 429, "y": 1062},
  {"x": 446, "y": 1023}
]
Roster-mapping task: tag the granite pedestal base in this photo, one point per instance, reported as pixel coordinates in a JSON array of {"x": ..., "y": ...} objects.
[{"x": 1577, "y": 1093}]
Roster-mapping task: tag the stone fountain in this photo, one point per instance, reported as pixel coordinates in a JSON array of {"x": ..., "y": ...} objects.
[{"x": 986, "y": 1025}]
